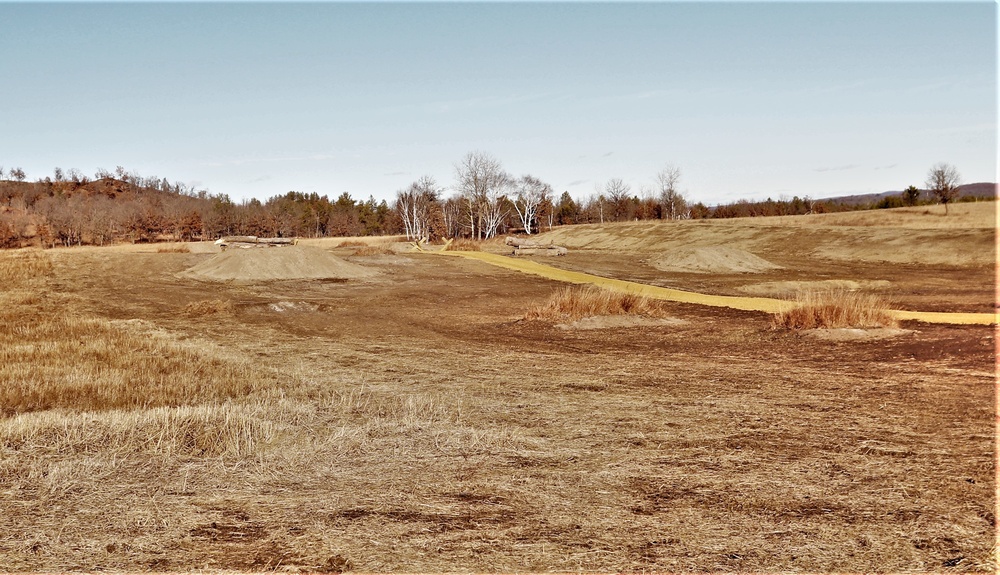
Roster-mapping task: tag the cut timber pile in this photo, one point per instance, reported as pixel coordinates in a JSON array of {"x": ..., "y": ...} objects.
[
  {"x": 525, "y": 247},
  {"x": 253, "y": 242}
]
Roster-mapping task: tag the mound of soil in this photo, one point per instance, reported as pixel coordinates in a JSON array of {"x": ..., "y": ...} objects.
[
  {"x": 282, "y": 263},
  {"x": 715, "y": 259}
]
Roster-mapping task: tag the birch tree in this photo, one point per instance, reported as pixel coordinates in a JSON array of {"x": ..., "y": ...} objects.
[
  {"x": 483, "y": 186},
  {"x": 673, "y": 206},
  {"x": 531, "y": 193},
  {"x": 414, "y": 205}
]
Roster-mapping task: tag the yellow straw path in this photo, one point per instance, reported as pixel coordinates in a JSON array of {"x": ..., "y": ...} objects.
[{"x": 767, "y": 305}]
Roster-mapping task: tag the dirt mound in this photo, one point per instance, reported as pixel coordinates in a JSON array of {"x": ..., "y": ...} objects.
[
  {"x": 284, "y": 263},
  {"x": 712, "y": 260}
]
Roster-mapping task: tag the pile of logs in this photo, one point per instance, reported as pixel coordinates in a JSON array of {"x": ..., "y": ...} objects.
[
  {"x": 246, "y": 242},
  {"x": 525, "y": 247}
]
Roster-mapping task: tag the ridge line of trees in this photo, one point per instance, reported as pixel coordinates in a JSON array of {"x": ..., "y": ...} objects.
[{"x": 69, "y": 208}]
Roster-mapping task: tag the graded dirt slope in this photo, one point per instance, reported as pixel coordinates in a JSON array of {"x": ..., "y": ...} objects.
[
  {"x": 272, "y": 264},
  {"x": 923, "y": 236},
  {"x": 707, "y": 260}
]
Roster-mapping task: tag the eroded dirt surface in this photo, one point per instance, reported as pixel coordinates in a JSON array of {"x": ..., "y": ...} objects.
[{"x": 712, "y": 444}]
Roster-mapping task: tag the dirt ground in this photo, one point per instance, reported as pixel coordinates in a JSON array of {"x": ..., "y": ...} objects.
[{"x": 419, "y": 424}]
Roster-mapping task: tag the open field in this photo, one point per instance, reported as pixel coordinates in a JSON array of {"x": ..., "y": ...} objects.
[{"x": 413, "y": 419}]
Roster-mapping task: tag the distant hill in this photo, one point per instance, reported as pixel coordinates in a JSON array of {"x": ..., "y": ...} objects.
[{"x": 977, "y": 190}]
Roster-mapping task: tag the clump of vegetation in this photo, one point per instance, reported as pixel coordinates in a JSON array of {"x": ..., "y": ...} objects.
[
  {"x": 464, "y": 245},
  {"x": 577, "y": 302},
  {"x": 374, "y": 250},
  {"x": 174, "y": 250},
  {"x": 352, "y": 244},
  {"x": 836, "y": 309}
]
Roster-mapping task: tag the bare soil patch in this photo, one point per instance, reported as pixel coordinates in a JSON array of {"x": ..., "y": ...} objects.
[
  {"x": 856, "y": 334},
  {"x": 281, "y": 263},
  {"x": 713, "y": 259}
]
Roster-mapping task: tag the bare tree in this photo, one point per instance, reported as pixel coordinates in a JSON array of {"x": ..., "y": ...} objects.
[
  {"x": 18, "y": 174},
  {"x": 414, "y": 205},
  {"x": 531, "y": 193},
  {"x": 483, "y": 186},
  {"x": 617, "y": 193},
  {"x": 943, "y": 181},
  {"x": 673, "y": 206},
  {"x": 451, "y": 217}
]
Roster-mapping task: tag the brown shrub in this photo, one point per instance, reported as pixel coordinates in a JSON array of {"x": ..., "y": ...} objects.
[
  {"x": 836, "y": 309},
  {"x": 173, "y": 250},
  {"x": 352, "y": 244},
  {"x": 577, "y": 302},
  {"x": 464, "y": 245}
]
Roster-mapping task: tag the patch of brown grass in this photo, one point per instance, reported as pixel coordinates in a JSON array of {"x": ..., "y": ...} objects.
[
  {"x": 464, "y": 245},
  {"x": 208, "y": 307},
  {"x": 352, "y": 244},
  {"x": 577, "y": 302},
  {"x": 375, "y": 250},
  {"x": 836, "y": 309},
  {"x": 181, "y": 249},
  {"x": 23, "y": 266},
  {"x": 55, "y": 360}
]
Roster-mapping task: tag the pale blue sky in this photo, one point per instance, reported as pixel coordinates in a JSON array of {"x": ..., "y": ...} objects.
[{"x": 750, "y": 100}]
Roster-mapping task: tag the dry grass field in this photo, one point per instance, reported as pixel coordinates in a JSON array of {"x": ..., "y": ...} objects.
[{"x": 441, "y": 415}]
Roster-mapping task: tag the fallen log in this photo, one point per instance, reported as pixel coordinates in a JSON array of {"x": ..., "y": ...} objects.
[
  {"x": 527, "y": 243},
  {"x": 541, "y": 251}
]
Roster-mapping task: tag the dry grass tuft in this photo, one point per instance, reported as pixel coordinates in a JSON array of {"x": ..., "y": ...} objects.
[
  {"x": 375, "y": 250},
  {"x": 352, "y": 244},
  {"x": 577, "y": 302},
  {"x": 464, "y": 245},
  {"x": 208, "y": 307},
  {"x": 836, "y": 309},
  {"x": 181, "y": 249}
]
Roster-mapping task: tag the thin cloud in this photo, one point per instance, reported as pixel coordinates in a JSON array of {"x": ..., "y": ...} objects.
[
  {"x": 609, "y": 154},
  {"x": 577, "y": 182},
  {"x": 836, "y": 168}
]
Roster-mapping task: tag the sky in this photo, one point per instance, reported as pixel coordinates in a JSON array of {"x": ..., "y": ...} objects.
[{"x": 748, "y": 100}]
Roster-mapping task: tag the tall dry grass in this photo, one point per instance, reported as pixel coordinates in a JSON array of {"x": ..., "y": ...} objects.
[
  {"x": 21, "y": 267},
  {"x": 464, "y": 245},
  {"x": 52, "y": 357},
  {"x": 59, "y": 361},
  {"x": 577, "y": 302},
  {"x": 836, "y": 309},
  {"x": 374, "y": 250}
]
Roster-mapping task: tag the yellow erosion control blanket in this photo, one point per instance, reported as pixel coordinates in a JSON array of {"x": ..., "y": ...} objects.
[{"x": 744, "y": 303}]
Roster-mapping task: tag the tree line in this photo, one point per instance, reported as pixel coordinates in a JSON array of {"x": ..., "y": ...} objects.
[{"x": 69, "y": 208}]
